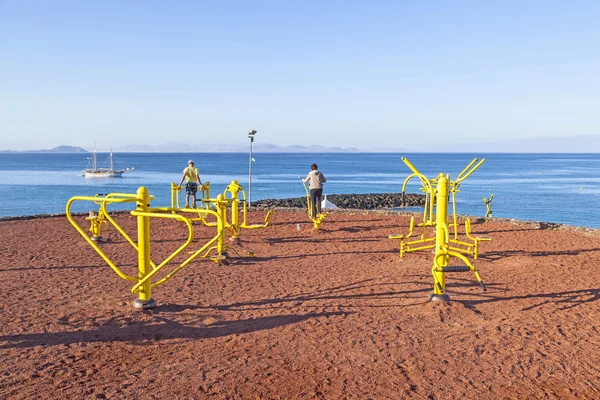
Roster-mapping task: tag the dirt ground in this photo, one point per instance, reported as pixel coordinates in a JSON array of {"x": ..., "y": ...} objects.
[{"x": 314, "y": 314}]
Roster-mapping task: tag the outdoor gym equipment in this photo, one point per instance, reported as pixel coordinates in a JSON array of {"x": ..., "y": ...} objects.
[
  {"x": 430, "y": 188},
  {"x": 230, "y": 199},
  {"x": 234, "y": 190},
  {"x": 437, "y": 194},
  {"x": 147, "y": 269},
  {"x": 319, "y": 217},
  {"x": 231, "y": 195},
  {"x": 96, "y": 221}
]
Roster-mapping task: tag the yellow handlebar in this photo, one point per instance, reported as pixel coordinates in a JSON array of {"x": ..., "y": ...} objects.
[
  {"x": 306, "y": 189},
  {"x": 466, "y": 168},
  {"x": 412, "y": 167},
  {"x": 424, "y": 181},
  {"x": 462, "y": 178},
  {"x": 122, "y": 199},
  {"x": 168, "y": 259}
]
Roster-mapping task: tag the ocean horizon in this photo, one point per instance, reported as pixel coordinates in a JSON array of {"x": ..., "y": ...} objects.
[{"x": 549, "y": 187}]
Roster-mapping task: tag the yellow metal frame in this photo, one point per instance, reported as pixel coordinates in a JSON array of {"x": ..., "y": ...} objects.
[
  {"x": 220, "y": 210},
  {"x": 320, "y": 217},
  {"x": 234, "y": 189},
  {"x": 147, "y": 269},
  {"x": 96, "y": 222},
  {"x": 430, "y": 188},
  {"x": 406, "y": 247},
  {"x": 443, "y": 252},
  {"x": 437, "y": 192},
  {"x": 229, "y": 200},
  {"x": 454, "y": 185},
  {"x": 232, "y": 203}
]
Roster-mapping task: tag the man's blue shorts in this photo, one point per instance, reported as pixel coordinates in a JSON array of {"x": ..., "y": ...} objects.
[{"x": 191, "y": 188}]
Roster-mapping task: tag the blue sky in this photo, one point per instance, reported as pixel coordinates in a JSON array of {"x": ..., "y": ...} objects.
[{"x": 337, "y": 73}]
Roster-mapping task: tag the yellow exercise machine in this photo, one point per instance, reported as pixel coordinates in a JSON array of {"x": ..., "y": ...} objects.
[
  {"x": 230, "y": 199},
  {"x": 231, "y": 195},
  {"x": 430, "y": 188},
  {"x": 96, "y": 221},
  {"x": 147, "y": 269},
  {"x": 319, "y": 217},
  {"x": 437, "y": 193}
]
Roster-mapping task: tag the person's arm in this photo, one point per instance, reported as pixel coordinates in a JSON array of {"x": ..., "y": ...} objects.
[
  {"x": 181, "y": 181},
  {"x": 307, "y": 178},
  {"x": 198, "y": 178},
  {"x": 323, "y": 177}
]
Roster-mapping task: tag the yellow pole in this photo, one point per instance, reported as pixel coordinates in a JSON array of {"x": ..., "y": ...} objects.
[
  {"x": 234, "y": 188},
  {"x": 206, "y": 193},
  {"x": 222, "y": 211},
  {"x": 454, "y": 217},
  {"x": 143, "y": 205},
  {"x": 174, "y": 195},
  {"x": 432, "y": 200},
  {"x": 441, "y": 236},
  {"x": 96, "y": 227}
]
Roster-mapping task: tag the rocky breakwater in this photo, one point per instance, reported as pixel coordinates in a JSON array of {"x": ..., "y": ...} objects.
[{"x": 351, "y": 201}]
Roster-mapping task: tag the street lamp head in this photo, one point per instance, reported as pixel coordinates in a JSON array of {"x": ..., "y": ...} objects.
[{"x": 251, "y": 135}]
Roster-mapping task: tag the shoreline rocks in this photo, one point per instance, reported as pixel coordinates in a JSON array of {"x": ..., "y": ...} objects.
[{"x": 371, "y": 201}]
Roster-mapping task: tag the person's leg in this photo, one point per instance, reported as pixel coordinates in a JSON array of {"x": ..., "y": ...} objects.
[
  {"x": 192, "y": 189},
  {"x": 318, "y": 197},
  {"x": 187, "y": 195},
  {"x": 313, "y": 205}
]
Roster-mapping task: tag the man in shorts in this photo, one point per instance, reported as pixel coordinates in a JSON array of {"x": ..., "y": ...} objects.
[
  {"x": 191, "y": 175},
  {"x": 316, "y": 179}
]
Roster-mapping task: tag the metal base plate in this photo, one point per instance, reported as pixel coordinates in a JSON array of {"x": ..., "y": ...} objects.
[
  {"x": 144, "y": 304},
  {"x": 97, "y": 238},
  {"x": 439, "y": 297}
]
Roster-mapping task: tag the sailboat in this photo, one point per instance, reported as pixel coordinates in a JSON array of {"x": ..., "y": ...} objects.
[{"x": 93, "y": 171}]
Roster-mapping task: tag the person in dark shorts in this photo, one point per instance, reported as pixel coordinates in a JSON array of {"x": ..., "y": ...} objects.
[
  {"x": 316, "y": 179},
  {"x": 191, "y": 175}
]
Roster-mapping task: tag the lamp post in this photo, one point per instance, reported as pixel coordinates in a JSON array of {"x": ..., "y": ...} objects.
[{"x": 251, "y": 137}]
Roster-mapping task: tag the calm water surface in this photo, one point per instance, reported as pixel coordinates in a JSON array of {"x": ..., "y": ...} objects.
[{"x": 561, "y": 188}]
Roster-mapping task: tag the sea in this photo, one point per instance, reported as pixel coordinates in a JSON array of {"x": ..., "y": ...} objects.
[{"x": 559, "y": 188}]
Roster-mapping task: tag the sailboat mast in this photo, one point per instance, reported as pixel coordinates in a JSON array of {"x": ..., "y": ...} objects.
[{"x": 95, "y": 166}]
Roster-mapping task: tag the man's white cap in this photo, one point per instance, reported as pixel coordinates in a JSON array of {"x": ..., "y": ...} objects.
[{"x": 191, "y": 162}]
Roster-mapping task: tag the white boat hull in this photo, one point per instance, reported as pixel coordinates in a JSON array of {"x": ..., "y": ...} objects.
[
  {"x": 102, "y": 174},
  {"x": 105, "y": 174}
]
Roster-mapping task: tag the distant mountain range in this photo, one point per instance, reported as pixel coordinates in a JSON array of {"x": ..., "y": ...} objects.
[
  {"x": 573, "y": 144},
  {"x": 172, "y": 147},
  {"x": 57, "y": 149}
]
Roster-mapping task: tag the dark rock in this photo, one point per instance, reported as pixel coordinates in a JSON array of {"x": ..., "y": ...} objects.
[{"x": 357, "y": 201}]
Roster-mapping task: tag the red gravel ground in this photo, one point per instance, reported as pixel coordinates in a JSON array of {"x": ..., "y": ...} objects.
[{"x": 315, "y": 314}]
